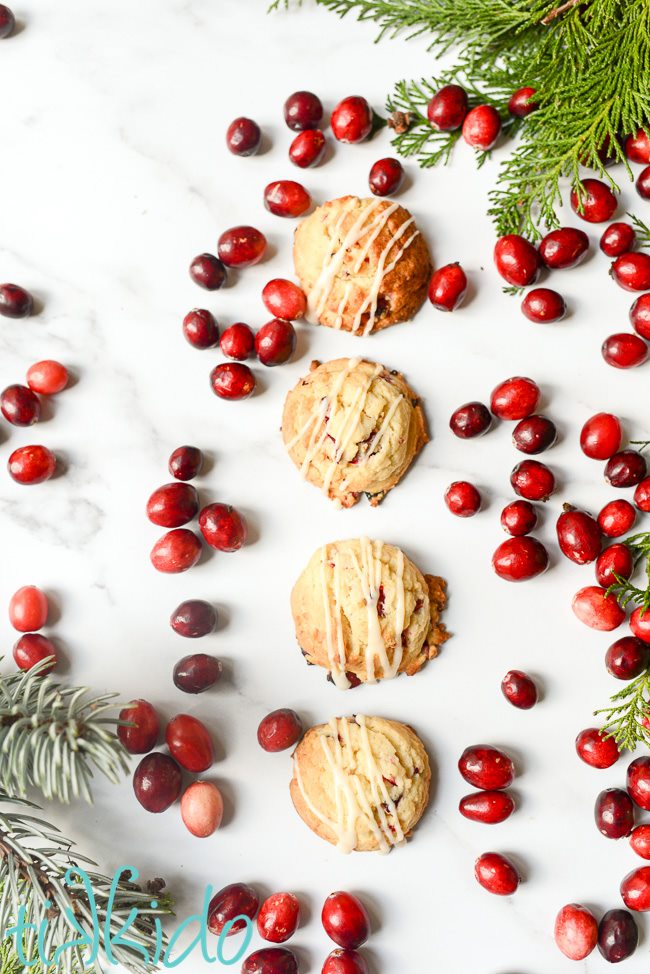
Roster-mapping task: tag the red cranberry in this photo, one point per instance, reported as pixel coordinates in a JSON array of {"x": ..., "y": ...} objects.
[
  {"x": 189, "y": 743},
  {"x": 579, "y": 535},
  {"x": 279, "y": 730},
  {"x": 176, "y": 551},
  {"x": 496, "y": 874},
  {"x": 640, "y": 624},
  {"x": 173, "y": 505},
  {"x": 472, "y": 419},
  {"x": 284, "y": 299},
  {"x": 142, "y": 736},
  {"x": 598, "y": 610},
  {"x": 534, "y": 434},
  {"x": 271, "y": 960},
  {"x": 157, "y": 782},
  {"x": 643, "y": 184},
  {"x": 638, "y": 782},
  {"x": 614, "y": 813},
  {"x": 194, "y": 618},
  {"x": 642, "y": 495},
  {"x": 564, "y": 247},
  {"x": 518, "y": 518},
  {"x": 223, "y": 527},
  {"x": 28, "y": 609},
  {"x": 482, "y": 127},
  {"x": 637, "y": 147},
  {"x": 241, "y": 246},
  {"x": 31, "y": 464},
  {"x": 640, "y": 841},
  {"x": 351, "y": 120},
  {"x": 202, "y": 809},
  {"x": 519, "y": 689},
  {"x": 197, "y": 673},
  {"x": 20, "y": 406},
  {"x": 618, "y": 936},
  {"x": 596, "y": 204},
  {"x": 617, "y": 239},
  {"x": 275, "y": 342},
  {"x": 487, "y": 807},
  {"x": 15, "y": 301},
  {"x": 543, "y": 306},
  {"x": 243, "y": 137},
  {"x": 235, "y": 901},
  {"x": 200, "y": 328},
  {"x": 284, "y": 197},
  {"x": 595, "y": 749},
  {"x": 303, "y": 110},
  {"x": 612, "y": 562},
  {"x": 232, "y": 380},
  {"x": 626, "y": 469},
  {"x": 278, "y": 918},
  {"x": 307, "y": 149},
  {"x": 185, "y": 462},
  {"x": 518, "y": 559},
  {"x": 486, "y": 767},
  {"x": 521, "y": 102},
  {"x": 631, "y": 271},
  {"x": 516, "y": 260},
  {"x": 515, "y": 398},
  {"x": 31, "y": 649},
  {"x": 47, "y": 377},
  {"x": 7, "y": 21},
  {"x": 635, "y": 889},
  {"x": 617, "y": 518},
  {"x": 386, "y": 177},
  {"x": 627, "y": 658},
  {"x": 342, "y": 961},
  {"x": 238, "y": 341},
  {"x": 532, "y": 480},
  {"x": 601, "y": 436},
  {"x": 447, "y": 109},
  {"x": 463, "y": 499},
  {"x": 345, "y": 920},
  {"x": 208, "y": 272},
  {"x": 576, "y": 931},
  {"x": 447, "y": 287},
  {"x": 640, "y": 316}
]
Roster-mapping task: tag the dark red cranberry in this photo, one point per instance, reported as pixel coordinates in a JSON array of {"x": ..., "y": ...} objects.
[
  {"x": 486, "y": 767},
  {"x": 518, "y": 559},
  {"x": 208, "y": 272},
  {"x": 635, "y": 889},
  {"x": 631, "y": 271},
  {"x": 601, "y": 436},
  {"x": 185, "y": 462},
  {"x": 173, "y": 505},
  {"x": 543, "y": 306},
  {"x": 15, "y": 301},
  {"x": 521, "y": 102},
  {"x": 31, "y": 464},
  {"x": 640, "y": 841},
  {"x": 626, "y": 469},
  {"x": 618, "y": 936},
  {"x": 612, "y": 562},
  {"x": 238, "y": 341},
  {"x": 472, "y": 419},
  {"x": 47, "y": 378},
  {"x": 516, "y": 260},
  {"x": 351, "y": 120},
  {"x": 342, "y": 961},
  {"x": 285, "y": 197},
  {"x": 284, "y": 299},
  {"x": 28, "y": 609},
  {"x": 223, "y": 527},
  {"x": 241, "y": 246},
  {"x": 275, "y": 342},
  {"x": 307, "y": 149},
  {"x": 519, "y": 689},
  {"x": 640, "y": 624},
  {"x": 176, "y": 551},
  {"x": 579, "y": 535},
  {"x": 243, "y": 137},
  {"x": 278, "y": 918},
  {"x": 564, "y": 247},
  {"x": 614, "y": 813},
  {"x": 532, "y": 480},
  {"x": 235, "y": 901},
  {"x": 447, "y": 109},
  {"x": 20, "y": 406},
  {"x": 642, "y": 495},
  {"x": 595, "y": 749},
  {"x": 194, "y": 618},
  {"x": 345, "y": 920},
  {"x": 518, "y": 518},
  {"x": 197, "y": 672},
  {"x": 596, "y": 609},
  {"x": 534, "y": 434},
  {"x": 637, "y": 147},
  {"x": 576, "y": 931},
  {"x": 303, "y": 110},
  {"x": 596, "y": 203},
  {"x": 643, "y": 184},
  {"x": 142, "y": 736},
  {"x": 617, "y": 518},
  {"x": 189, "y": 743},
  {"x": 482, "y": 127},
  {"x": 271, "y": 960},
  {"x": 463, "y": 499},
  {"x": 447, "y": 287},
  {"x": 31, "y": 649},
  {"x": 279, "y": 730},
  {"x": 232, "y": 380},
  {"x": 386, "y": 177},
  {"x": 624, "y": 351},
  {"x": 515, "y": 398},
  {"x": 627, "y": 658},
  {"x": 487, "y": 807},
  {"x": 7, "y": 21},
  {"x": 200, "y": 328},
  {"x": 617, "y": 239},
  {"x": 157, "y": 782},
  {"x": 496, "y": 874}
]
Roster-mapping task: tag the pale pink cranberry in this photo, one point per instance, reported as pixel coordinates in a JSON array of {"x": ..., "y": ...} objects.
[
  {"x": 47, "y": 377},
  {"x": 598, "y": 610},
  {"x": 576, "y": 931},
  {"x": 202, "y": 808}
]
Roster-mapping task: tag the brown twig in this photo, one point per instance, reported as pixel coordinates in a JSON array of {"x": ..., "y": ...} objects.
[{"x": 558, "y": 11}]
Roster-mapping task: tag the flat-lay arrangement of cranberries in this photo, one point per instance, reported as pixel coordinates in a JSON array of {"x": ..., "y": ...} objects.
[
  {"x": 515, "y": 398},
  {"x": 521, "y": 102},
  {"x": 197, "y": 672},
  {"x": 189, "y": 743},
  {"x": 28, "y": 609},
  {"x": 157, "y": 782},
  {"x": 176, "y": 551},
  {"x": 601, "y": 436},
  {"x": 185, "y": 462},
  {"x": 31, "y": 649},
  {"x": 232, "y": 380},
  {"x": 241, "y": 246},
  {"x": 47, "y": 378},
  {"x": 564, "y": 247},
  {"x": 578, "y": 535},
  {"x": 520, "y": 558},
  {"x": 519, "y": 689},
  {"x": 284, "y": 299},
  {"x": 342, "y": 961},
  {"x": 287, "y": 198},
  {"x": 518, "y": 518},
  {"x": 243, "y": 137},
  {"x": 470, "y": 420},
  {"x": 576, "y": 931},
  {"x": 208, "y": 272},
  {"x": 194, "y": 618},
  {"x": 482, "y": 127},
  {"x": 307, "y": 149},
  {"x": 614, "y": 813},
  {"x": 486, "y": 767},
  {"x": 487, "y": 807},
  {"x": 532, "y": 480},
  {"x": 463, "y": 499},
  {"x": 618, "y": 936},
  {"x": 496, "y": 874},
  {"x": 200, "y": 328},
  {"x": 627, "y": 658},
  {"x": 386, "y": 177},
  {"x": 624, "y": 350},
  {"x": 271, "y": 960},
  {"x": 142, "y": 736},
  {"x": 631, "y": 271},
  {"x": 173, "y": 505},
  {"x": 15, "y": 301},
  {"x": 279, "y": 730},
  {"x": 447, "y": 109},
  {"x": 516, "y": 260},
  {"x": 351, "y": 120},
  {"x": 223, "y": 527},
  {"x": 202, "y": 808},
  {"x": 596, "y": 203},
  {"x": 279, "y": 917},
  {"x": 596, "y": 609},
  {"x": 20, "y": 406},
  {"x": 543, "y": 306},
  {"x": 595, "y": 749},
  {"x": 275, "y": 342},
  {"x": 345, "y": 920},
  {"x": 303, "y": 110},
  {"x": 617, "y": 239},
  {"x": 232, "y": 903},
  {"x": 447, "y": 287},
  {"x": 626, "y": 469},
  {"x": 535, "y": 434},
  {"x": 614, "y": 562},
  {"x": 31, "y": 464},
  {"x": 616, "y": 518},
  {"x": 237, "y": 341}
]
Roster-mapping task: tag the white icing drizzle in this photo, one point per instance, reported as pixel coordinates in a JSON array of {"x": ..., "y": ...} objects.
[
  {"x": 375, "y": 442},
  {"x": 336, "y": 660},
  {"x": 381, "y": 271}
]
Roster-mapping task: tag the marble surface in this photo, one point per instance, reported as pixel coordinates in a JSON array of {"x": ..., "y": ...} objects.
[{"x": 115, "y": 174}]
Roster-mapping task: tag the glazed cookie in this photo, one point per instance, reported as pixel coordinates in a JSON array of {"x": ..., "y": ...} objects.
[
  {"x": 352, "y": 427},
  {"x": 361, "y": 783},
  {"x": 364, "y": 612},
  {"x": 363, "y": 264}
]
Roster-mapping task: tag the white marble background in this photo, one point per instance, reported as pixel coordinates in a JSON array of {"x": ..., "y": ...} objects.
[{"x": 114, "y": 174}]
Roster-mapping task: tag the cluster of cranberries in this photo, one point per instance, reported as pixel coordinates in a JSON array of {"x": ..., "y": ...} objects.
[
  {"x": 21, "y": 406},
  {"x": 28, "y": 612}
]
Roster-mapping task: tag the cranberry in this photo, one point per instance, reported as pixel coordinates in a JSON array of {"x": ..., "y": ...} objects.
[
  {"x": 284, "y": 197},
  {"x": 278, "y": 918},
  {"x": 618, "y": 936},
  {"x": 643, "y": 185},
  {"x": 543, "y": 306},
  {"x": 447, "y": 109},
  {"x": 635, "y": 889},
  {"x": 303, "y": 110},
  {"x": 202, "y": 809},
  {"x": 223, "y": 527},
  {"x": 496, "y": 874},
  {"x": 142, "y": 736},
  {"x": 28, "y": 609},
  {"x": 189, "y": 743},
  {"x": 232, "y": 380},
  {"x": 596, "y": 204},
  {"x": 351, "y": 120},
  {"x": 532, "y": 480},
  {"x": 472, "y": 419},
  {"x": 518, "y": 518},
  {"x": 275, "y": 342},
  {"x": 200, "y": 328},
  {"x": 486, "y": 767},
  {"x": 235, "y": 901},
  {"x": 642, "y": 495},
  {"x": 637, "y": 147},
  {"x": 626, "y": 469},
  {"x": 579, "y": 535},
  {"x": 515, "y": 398},
  {"x": 640, "y": 316},
  {"x": 279, "y": 730},
  {"x": 176, "y": 551},
  {"x": 463, "y": 499},
  {"x": 487, "y": 807},
  {"x": 271, "y": 960},
  {"x": 518, "y": 559},
  {"x": 47, "y": 377},
  {"x": 173, "y": 505},
  {"x": 157, "y": 782},
  {"x": 284, "y": 299},
  {"x": 194, "y": 618},
  {"x": 616, "y": 518},
  {"x": 482, "y": 127},
  {"x": 601, "y": 436},
  {"x": 31, "y": 649},
  {"x": 598, "y": 610},
  {"x": 386, "y": 177},
  {"x": 632, "y": 271},
  {"x": 307, "y": 149},
  {"x": 576, "y": 931},
  {"x": 521, "y": 104},
  {"x": 342, "y": 961},
  {"x": 615, "y": 561},
  {"x": 7, "y": 21},
  {"x": 243, "y": 137},
  {"x": 447, "y": 287},
  {"x": 627, "y": 658},
  {"x": 15, "y": 301},
  {"x": 185, "y": 462},
  {"x": 534, "y": 434},
  {"x": 345, "y": 920},
  {"x": 614, "y": 813},
  {"x": 519, "y": 689},
  {"x": 238, "y": 341},
  {"x": 595, "y": 749},
  {"x": 241, "y": 246},
  {"x": 208, "y": 272},
  {"x": 31, "y": 464},
  {"x": 516, "y": 260},
  {"x": 196, "y": 673},
  {"x": 640, "y": 624},
  {"x": 564, "y": 247},
  {"x": 640, "y": 841},
  {"x": 20, "y": 406},
  {"x": 617, "y": 239}
]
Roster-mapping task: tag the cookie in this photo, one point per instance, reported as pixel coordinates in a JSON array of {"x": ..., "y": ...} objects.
[
  {"x": 352, "y": 428},
  {"x": 363, "y": 264},
  {"x": 364, "y": 612},
  {"x": 361, "y": 783}
]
